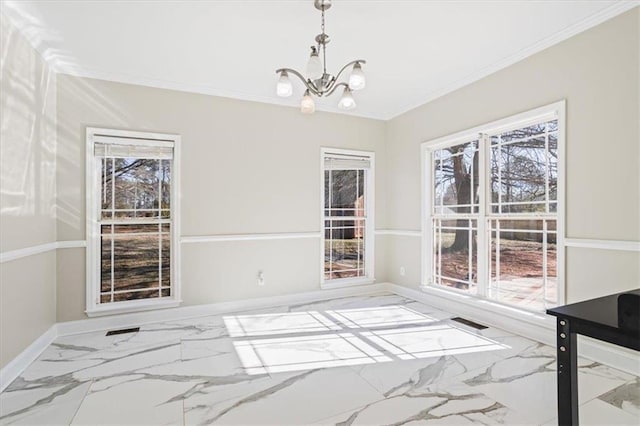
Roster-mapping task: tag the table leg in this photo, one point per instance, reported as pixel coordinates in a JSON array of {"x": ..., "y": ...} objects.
[{"x": 567, "y": 374}]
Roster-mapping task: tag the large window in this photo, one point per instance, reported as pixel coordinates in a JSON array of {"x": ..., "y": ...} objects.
[
  {"x": 347, "y": 220},
  {"x": 492, "y": 198},
  {"x": 131, "y": 212}
]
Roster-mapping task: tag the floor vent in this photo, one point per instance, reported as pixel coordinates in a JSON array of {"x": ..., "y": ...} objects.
[
  {"x": 123, "y": 331},
  {"x": 469, "y": 323}
]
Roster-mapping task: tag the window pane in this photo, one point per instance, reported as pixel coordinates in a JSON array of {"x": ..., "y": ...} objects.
[
  {"x": 456, "y": 260},
  {"x": 165, "y": 180},
  {"x": 456, "y": 179},
  {"x": 553, "y": 166},
  {"x": 135, "y": 188},
  {"x": 518, "y": 176},
  {"x": 105, "y": 259},
  {"x": 131, "y": 260},
  {"x": 166, "y": 257},
  {"x": 344, "y": 249},
  {"x": 524, "y": 170},
  {"x": 344, "y": 192},
  {"x": 523, "y": 263}
]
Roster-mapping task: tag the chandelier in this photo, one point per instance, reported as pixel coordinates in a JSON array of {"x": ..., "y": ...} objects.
[{"x": 318, "y": 82}]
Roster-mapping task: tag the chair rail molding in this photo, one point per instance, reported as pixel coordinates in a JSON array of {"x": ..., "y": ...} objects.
[
  {"x": 603, "y": 244},
  {"x": 10, "y": 255}
]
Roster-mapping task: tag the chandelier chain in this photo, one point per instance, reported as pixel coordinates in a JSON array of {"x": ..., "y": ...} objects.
[{"x": 324, "y": 47}]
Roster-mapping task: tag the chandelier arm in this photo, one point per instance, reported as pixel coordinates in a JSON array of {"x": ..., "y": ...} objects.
[
  {"x": 334, "y": 88},
  {"x": 292, "y": 71},
  {"x": 361, "y": 61},
  {"x": 307, "y": 83}
]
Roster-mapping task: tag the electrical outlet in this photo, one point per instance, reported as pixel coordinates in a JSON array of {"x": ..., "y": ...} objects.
[
  {"x": 402, "y": 271},
  {"x": 260, "y": 278}
]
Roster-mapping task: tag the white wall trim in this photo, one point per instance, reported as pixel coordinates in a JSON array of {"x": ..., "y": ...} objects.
[
  {"x": 247, "y": 237},
  {"x": 603, "y": 244},
  {"x": 399, "y": 232},
  {"x": 609, "y": 354},
  {"x": 185, "y": 312},
  {"x": 10, "y": 255},
  {"x": 71, "y": 244},
  {"x": 17, "y": 365},
  {"x": 605, "y": 14},
  {"x": 539, "y": 327}
]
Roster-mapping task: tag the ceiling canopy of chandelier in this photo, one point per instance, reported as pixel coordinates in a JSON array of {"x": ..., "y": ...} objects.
[{"x": 318, "y": 82}]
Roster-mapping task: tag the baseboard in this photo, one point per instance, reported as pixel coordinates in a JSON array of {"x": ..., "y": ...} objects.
[
  {"x": 186, "y": 312},
  {"x": 17, "y": 365},
  {"x": 611, "y": 355},
  {"x": 536, "y": 327},
  {"x": 541, "y": 331}
]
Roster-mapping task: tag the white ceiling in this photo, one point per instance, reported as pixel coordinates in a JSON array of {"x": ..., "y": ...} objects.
[{"x": 415, "y": 50}]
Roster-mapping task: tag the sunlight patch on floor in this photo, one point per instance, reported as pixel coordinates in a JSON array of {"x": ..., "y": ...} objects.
[
  {"x": 379, "y": 316},
  {"x": 269, "y": 324},
  {"x": 372, "y": 335}
]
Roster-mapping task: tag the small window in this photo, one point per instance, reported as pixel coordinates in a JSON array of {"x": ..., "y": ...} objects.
[
  {"x": 132, "y": 218},
  {"x": 347, "y": 243}
]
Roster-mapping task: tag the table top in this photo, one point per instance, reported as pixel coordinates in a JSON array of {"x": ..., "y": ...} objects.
[{"x": 601, "y": 313}]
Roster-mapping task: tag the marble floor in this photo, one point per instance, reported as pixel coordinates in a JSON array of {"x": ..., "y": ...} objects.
[{"x": 379, "y": 359}]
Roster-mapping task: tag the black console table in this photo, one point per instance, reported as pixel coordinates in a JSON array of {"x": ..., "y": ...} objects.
[{"x": 596, "y": 318}]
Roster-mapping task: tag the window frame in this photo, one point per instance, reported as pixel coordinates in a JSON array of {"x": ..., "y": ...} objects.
[
  {"x": 483, "y": 134},
  {"x": 92, "y": 191},
  {"x": 369, "y": 229}
]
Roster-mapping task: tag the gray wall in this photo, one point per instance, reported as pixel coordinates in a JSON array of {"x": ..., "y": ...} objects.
[
  {"x": 597, "y": 73},
  {"x": 247, "y": 168},
  {"x": 27, "y": 195}
]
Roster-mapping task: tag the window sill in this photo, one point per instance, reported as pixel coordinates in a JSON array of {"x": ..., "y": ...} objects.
[
  {"x": 346, "y": 282},
  {"x": 535, "y": 318},
  {"x": 127, "y": 307}
]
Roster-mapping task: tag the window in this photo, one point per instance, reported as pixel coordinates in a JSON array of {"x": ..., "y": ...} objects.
[
  {"x": 131, "y": 221},
  {"x": 347, "y": 218},
  {"x": 493, "y": 226}
]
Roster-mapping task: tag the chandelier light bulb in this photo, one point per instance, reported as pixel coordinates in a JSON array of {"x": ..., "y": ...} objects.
[
  {"x": 307, "y": 106},
  {"x": 356, "y": 79},
  {"x": 346, "y": 101},
  {"x": 284, "y": 88},
  {"x": 314, "y": 66}
]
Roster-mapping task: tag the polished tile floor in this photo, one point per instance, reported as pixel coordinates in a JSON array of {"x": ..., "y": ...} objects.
[{"x": 378, "y": 359}]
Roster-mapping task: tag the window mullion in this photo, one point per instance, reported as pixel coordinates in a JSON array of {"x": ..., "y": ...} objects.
[{"x": 484, "y": 191}]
